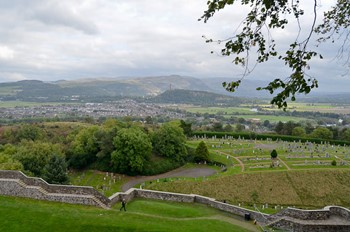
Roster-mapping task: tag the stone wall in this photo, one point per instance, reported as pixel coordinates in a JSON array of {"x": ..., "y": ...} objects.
[
  {"x": 321, "y": 214},
  {"x": 339, "y": 211},
  {"x": 177, "y": 197},
  {"x": 52, "y": 191},
  {"x": 12, "y": 187},
  {"x": 297, "y": 226},
  {"x": 14, "y": 183}
]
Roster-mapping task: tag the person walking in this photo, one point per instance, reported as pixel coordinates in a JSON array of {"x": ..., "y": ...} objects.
[{"x": 123, "y": 205}]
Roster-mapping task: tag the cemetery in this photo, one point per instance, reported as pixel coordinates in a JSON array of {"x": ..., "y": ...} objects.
[{"x": 254, "y": 155}]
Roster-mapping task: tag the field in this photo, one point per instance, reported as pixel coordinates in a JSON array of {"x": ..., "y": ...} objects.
[
  {"x": 12, "y": 104},
  {"x": 25, "y": 215},
  {"x": 242, "y": 112}
]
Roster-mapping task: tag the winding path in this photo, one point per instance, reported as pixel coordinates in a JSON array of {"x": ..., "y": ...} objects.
[
  {"x": 228, "y": 219},
  {"x": 180, "y": 172},
  {"x": 238, "y": 160}
]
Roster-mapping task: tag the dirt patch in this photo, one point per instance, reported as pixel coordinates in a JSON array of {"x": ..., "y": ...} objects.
[{"x": 180, "y": 172}]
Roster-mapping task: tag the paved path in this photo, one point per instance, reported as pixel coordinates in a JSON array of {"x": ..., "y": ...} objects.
[
  {"x": 288, "y": 168},
  {"x": 238, "y": 160},
  {"x": 180, "y": 172}
]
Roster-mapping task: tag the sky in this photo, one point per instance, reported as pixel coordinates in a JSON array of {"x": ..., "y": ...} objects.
[{"x": 52, "y": 40}]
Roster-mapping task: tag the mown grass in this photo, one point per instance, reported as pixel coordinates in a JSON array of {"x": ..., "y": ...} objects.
[
  {"x": 101, "y": 181},
  {"x": 25, "y": 215}
]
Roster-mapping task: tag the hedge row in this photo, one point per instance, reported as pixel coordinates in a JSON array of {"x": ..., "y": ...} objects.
[{"x": 274, "y": 137}]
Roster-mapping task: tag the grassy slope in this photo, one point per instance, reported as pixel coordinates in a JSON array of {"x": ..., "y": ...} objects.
[
  {"x": 18, "y": 214},
  {"x": 315, "y": 188}
]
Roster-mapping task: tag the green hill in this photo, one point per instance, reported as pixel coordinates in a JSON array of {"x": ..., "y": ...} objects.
[
  {"x": 19, "y": 214},
  {"x": 182, "y": 96},
  {"x": 96, "y": 89}
]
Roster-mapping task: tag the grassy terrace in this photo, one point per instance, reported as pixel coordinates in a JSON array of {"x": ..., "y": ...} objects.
[{"x": 25, "y": 215}]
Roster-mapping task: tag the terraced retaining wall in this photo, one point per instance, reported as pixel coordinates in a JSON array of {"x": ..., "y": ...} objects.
[{"x": 15, "y": 183}]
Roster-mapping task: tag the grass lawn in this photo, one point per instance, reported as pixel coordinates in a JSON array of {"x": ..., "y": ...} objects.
[
  {"x": 19, "y": 214},
  {"x": 101, "y": 181}
]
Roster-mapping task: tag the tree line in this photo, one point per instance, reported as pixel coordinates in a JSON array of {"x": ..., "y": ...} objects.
[{"x": 47, "y": 149}]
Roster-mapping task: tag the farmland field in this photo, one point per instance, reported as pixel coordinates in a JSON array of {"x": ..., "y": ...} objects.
[{"x": 242, "y": 112}]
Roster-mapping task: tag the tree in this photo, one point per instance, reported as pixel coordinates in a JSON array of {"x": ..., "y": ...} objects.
[
  {"x": 133, "y": 149},
  {"x": 169, "y": 141},
  {"x": 84, "y": 148},
  {"x": 202, "y": 152},
  {"x": 218, "y": 127},
  {"x": 266, "y": 123},
  {"x": 346, "y": 135},
  {"x": 299, "y": 131},
  {"x": 273, "y": 154},
  {"x": 35, "y": 155},
  {"x": 55, "y": 171},
  {"x": 228, "y": 128},
  {"x": 186, "y": 127},
  {"x": 29, "y": 132},
  {"x": 279, "y": 127},
  {"x": 255, "y": 36},
  {"x": 322, "y": 133},
  {"x": 240, "y": 127}
]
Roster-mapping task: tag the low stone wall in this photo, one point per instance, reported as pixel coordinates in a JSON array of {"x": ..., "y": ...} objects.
[
  {"x": 13, "y": 187},
  {"x": 321, "y": 214},
  {"x": 177, "y": 197},
  {"x": 52, "y": 188},
  {"x": 14, "y": 183},
  {"x": 339, "y": 211},
  {"x": 288, "y": 224}
]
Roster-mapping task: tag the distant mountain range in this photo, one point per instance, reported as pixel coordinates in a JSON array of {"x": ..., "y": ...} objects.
[
  {"x": 118, "y": 87},
  {"x": 100, "y": 89}
]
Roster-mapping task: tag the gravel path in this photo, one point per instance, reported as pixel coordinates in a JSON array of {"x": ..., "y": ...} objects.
[{"x": 180, "y": 172}]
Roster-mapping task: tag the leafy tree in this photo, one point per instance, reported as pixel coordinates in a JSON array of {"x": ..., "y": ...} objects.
[
  {"x": 84, "y": 148},
  {"x": 55, "y": 171},
  {"x": 228, "y": 128},
  {"x": 255, "y": 36},
  {"x": 186, "y": 127},
  {"x": 218, "y": 127},
  {"x": 346, "y": 135},
  {"x": 240, "y": 127},
  {"x": 23, "y": 132},
  {"x": 334, "y": 163},
  {"x": 322, "y": 133},
  {"x": 273, "y": 154},
  {"x": 279, "y": 127},
  {"x": 266, "y": 123},
  {"x": 35, "y": 155},
  {"x": 133, "y": 149},
  {"x": 8, "y": 163},
  {"x": 202, "y": 152},
  {"x": 299, "y": 131},
  {"x": 149, "y": 120},
  {"x": 169, "y": 141}
]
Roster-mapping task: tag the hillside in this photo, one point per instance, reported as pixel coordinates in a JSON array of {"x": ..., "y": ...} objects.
[
  {"x": 181, "y": 96},
  {"x": 293, "y": 188},
  {"x": 92, "y": 89}
]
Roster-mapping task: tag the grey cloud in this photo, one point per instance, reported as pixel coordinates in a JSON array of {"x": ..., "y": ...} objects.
[{"x": 56, "y": 13}]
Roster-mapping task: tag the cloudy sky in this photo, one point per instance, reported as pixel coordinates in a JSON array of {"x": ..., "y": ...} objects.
[{"x": 71, "y": 39}]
